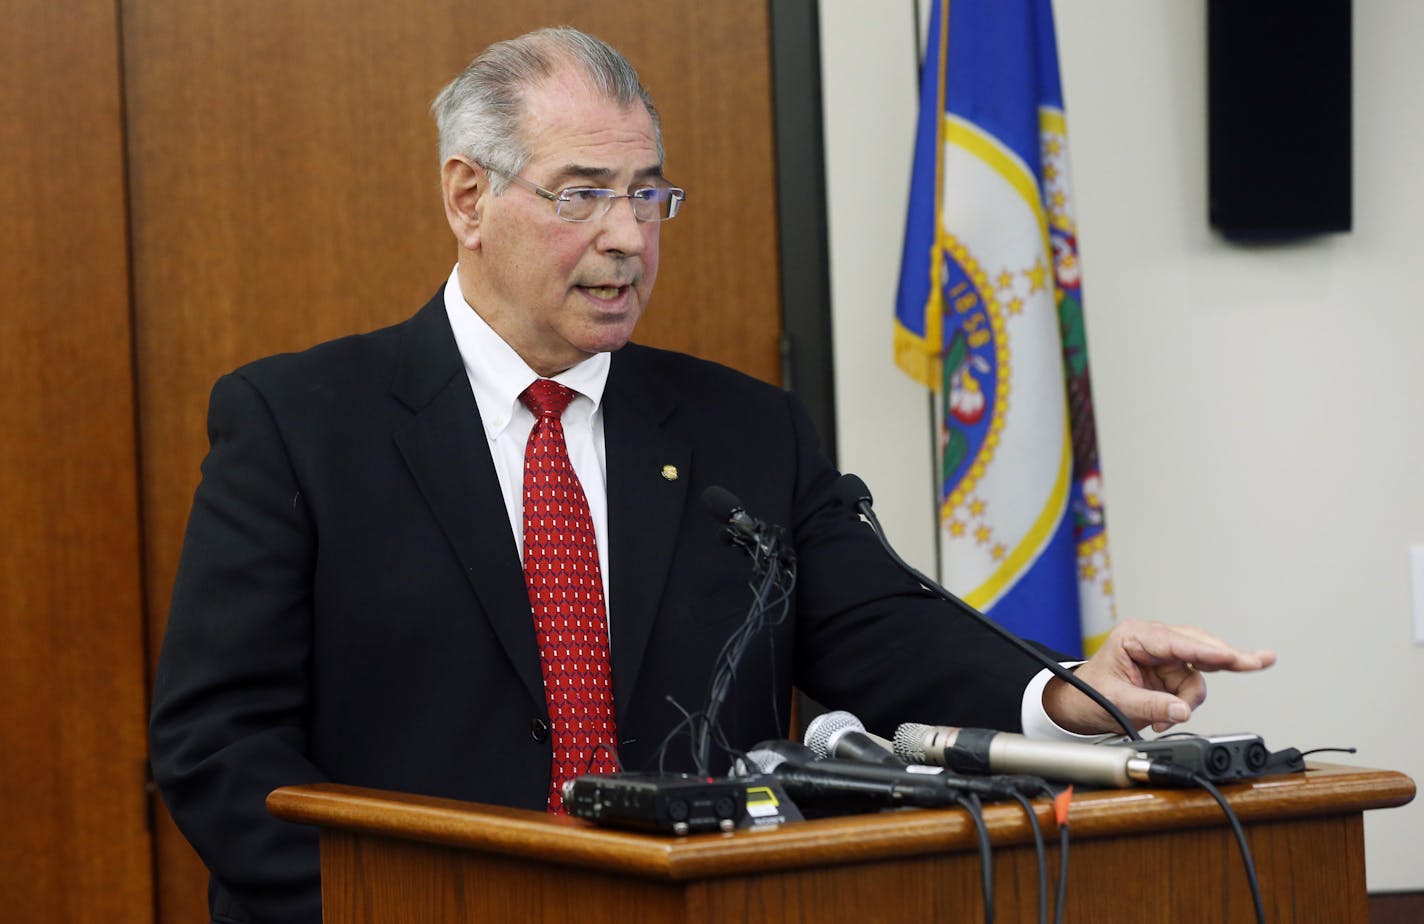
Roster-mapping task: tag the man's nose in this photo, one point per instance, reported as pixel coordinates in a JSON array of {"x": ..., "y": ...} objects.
[{"x": 621, "y": 230}]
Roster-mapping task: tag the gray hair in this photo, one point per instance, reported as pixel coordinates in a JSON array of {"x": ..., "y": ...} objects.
[{"x": 480, "y": 111}]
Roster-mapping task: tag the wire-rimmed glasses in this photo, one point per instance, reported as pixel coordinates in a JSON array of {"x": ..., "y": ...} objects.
[{"x": 651, "y": 202}]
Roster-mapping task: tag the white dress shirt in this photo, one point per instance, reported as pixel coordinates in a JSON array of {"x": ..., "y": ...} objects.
[{"x": 498, "y": 377}]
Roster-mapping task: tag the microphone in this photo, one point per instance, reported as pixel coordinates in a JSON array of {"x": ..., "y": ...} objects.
[
  {"x": 853, "y": 493},
  {"x": 741, "y": 527},
  {"x": 728, "y": 509},
  {"x": 841, "y": 735},
  {"x": 847, "y": 784},
  {"x": 978, "y": 750}
]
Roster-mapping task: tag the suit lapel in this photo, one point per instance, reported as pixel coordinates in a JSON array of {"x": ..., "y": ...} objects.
[
  {"x": 445, "y": 448},
  {"x": 646, "y": 500}
]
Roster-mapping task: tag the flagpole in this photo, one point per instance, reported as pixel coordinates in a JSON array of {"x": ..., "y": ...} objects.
[{"x": 934, "y": 307}]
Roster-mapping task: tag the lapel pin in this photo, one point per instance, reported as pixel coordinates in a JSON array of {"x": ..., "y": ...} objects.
[{"x": 670, "y": 472}]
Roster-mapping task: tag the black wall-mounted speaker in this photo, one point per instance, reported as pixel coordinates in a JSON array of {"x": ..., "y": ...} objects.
[{"x": 1280, "y": 117}]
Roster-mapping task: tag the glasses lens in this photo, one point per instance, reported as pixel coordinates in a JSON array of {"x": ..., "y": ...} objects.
[
  {"x": 656, "y": 203},
  {"x": 650, "y": 203},
  {"x": 581, "y": 204}
]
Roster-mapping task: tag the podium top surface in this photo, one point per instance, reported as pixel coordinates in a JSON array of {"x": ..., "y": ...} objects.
[{"x": 1320, "y": 790}]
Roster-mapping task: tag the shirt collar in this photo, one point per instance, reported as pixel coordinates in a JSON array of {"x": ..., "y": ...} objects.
[{"x": 499, "y": 376}]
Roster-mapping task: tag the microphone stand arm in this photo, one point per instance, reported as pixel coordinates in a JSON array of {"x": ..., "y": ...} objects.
[{"x": 862, "y": 506}]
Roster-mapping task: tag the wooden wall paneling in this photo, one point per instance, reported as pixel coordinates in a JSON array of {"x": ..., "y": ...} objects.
[
  {"x": 284, "y": 190},
  {"x": 74, "y": 840}
]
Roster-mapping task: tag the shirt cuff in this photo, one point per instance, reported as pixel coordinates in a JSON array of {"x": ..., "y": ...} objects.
[{"x": 1036, "y": 723}]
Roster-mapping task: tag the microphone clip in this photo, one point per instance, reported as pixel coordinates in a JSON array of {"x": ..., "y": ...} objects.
[{"x": 763, "y": 542}]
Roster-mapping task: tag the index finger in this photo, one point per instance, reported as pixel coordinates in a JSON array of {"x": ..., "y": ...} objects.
[{"x": 1158, "y": 643}]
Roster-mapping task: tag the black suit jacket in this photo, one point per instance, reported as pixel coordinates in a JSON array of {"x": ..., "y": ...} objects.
[{"x": 350, "y": 604}]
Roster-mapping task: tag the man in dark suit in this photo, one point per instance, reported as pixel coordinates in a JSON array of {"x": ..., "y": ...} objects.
[{"x": 352, "y": 605}]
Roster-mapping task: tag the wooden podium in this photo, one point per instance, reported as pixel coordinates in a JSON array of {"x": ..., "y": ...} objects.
[{"x": 1136, "y": 854}]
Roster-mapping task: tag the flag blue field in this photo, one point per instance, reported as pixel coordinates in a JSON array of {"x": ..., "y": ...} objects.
[{"x": 989, "y": 315}]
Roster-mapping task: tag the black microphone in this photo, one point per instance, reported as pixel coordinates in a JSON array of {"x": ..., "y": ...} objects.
[
  {"x": 979, "y": 750},
  {"x": 741, "y": 527},
  {"x": 840, "y": 734},
  {"x": 851, "y": 785},
  {"x": 728, "y": 509},
  {"x": 853, "y": 493}
]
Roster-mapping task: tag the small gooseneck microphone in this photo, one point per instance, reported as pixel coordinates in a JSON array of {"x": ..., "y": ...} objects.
[
  {"x": 853, "y": 493},
  {"x": 841, "y": 735}
]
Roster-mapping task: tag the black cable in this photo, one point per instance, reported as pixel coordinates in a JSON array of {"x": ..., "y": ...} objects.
[
  {"x": 689, "y": 719},
  {"x": 736, "y": 649},
  {"x": 1061, "y": 896},
  {"x": 1042, "y": 855},
  {"x": 687, "y": 722},
  {"x": 971, "y": 804},
  {"x": 772, "y": 582},
  {"x": 1205, "y": 783},
  {"x": 1062, "y": 873},
  {"x": 593, "y": 754},
  {"x": 852, "y": 492},
  {"x": 725, "y": 672},
  {"x": 1327, "y": 751},
  {"x": 776, "y": 611}
]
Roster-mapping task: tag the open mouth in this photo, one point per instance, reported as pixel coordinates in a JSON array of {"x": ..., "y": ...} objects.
[{"x": 604, "y": 292}]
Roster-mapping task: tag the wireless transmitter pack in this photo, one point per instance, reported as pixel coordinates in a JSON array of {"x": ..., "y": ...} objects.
[
  {"x": 1219, "y": 758},
  {"x": 668, "y": 803}
]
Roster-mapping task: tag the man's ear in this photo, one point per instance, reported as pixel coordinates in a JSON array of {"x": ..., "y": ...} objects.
[{"x": 464, "y": 187}]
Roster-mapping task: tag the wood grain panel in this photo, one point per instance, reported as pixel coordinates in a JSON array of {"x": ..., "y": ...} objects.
[
  {"x": 397, "y": 878},
  {"x": 74, "y": 842},
  {"x": 284, "y": 185},
  {"x": 1194, "y": 875}
]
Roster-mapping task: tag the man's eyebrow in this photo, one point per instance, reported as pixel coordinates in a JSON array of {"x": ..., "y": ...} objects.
[{"x": 598, "y": 174}]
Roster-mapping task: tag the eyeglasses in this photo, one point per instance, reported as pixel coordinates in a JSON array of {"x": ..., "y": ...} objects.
[{"x": 585, "y": 203}]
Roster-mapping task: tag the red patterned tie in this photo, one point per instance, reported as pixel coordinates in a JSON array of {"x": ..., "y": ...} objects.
[{"x": 566, "y": 594}]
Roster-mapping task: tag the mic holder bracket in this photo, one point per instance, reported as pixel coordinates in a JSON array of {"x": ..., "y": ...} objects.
[{"x": 765, "y": 544}]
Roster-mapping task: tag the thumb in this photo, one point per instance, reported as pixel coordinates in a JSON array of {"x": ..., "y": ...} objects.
[{"x": 1151, "y": 707}]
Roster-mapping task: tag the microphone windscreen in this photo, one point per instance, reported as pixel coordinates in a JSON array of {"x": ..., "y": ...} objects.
[
  {"x": 720, "y": 502},
  {"x": 910, "y": 740},
  {"x": 824, "y": 727},
  {"x": 851, "y": 491},
  {"x": 766, "y": 756}
]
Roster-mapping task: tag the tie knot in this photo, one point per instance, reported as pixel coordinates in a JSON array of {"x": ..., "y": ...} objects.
[{"x": 547, "y": 398}]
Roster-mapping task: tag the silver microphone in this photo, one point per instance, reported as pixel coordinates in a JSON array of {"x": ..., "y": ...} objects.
[
  {"x": 978, "y": 750},
  {"x": 840, "y": 734}
]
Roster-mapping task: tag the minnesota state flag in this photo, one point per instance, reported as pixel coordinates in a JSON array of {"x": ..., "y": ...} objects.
[{"x": 990, "y": 316}]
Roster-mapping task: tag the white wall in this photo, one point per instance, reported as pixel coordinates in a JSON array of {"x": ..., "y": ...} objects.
[{"x": 1258, "y": 407}]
